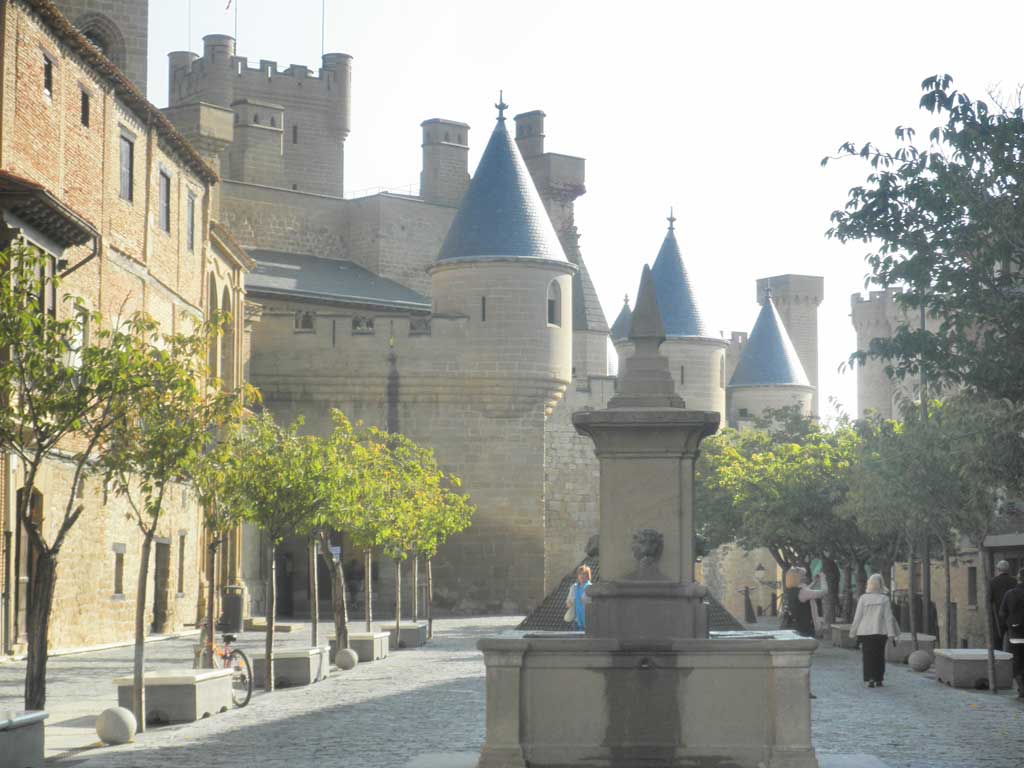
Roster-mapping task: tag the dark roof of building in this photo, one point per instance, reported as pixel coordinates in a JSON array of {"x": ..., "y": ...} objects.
[
  {"x": 620, "y": 328},
  {"x": 125, "y": 89},
  {"x": 36, "y": 206},
  {"x": 675, "y": 294},
  {"x": 317, "y": 279},
  {"x": 547, "y": 617},
  {"x": 501, "y": 214},
  {"x": 769, "y": 358}
]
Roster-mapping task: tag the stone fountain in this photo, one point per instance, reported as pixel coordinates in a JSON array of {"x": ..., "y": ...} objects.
[{"x": 646, "y": 685}]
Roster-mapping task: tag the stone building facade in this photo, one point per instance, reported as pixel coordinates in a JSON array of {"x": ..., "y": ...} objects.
[{"x": 94, "y": 175}]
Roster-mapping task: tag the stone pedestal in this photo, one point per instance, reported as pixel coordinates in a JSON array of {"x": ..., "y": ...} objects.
[
  {"x": 841, "y": 637},
  {"x": 180, "y": 696},
  {"x": 369, "y": 646},
  {"x": 22, "y": 739},
  {"x": 968, "y": 667},
  {"x": 411, "y": 635},
  {"x": 292, "y": 666},
  {"x": 899, "y": 653},
  {"x": 601, "y": 703}
]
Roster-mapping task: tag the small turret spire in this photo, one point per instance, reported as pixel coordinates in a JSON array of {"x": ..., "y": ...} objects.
[
  {"x": 501, "y": 106},
  {"x": 671, "y": 220}
]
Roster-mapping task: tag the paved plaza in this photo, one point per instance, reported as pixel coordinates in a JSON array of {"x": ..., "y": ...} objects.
[{"x": 430, "y": 700}]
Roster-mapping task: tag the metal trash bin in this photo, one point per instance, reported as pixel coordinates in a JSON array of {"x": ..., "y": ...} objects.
[{"x": 231, "y": 609}]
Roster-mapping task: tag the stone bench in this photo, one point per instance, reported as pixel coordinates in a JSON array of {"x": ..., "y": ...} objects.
[
  {"x": 259, "y": 624},
  {"x": 369, "y": 646},
  {"x": 899, "y": 653},
  {"x": 841, "y": 637},
  {"x": 292, "y": 666},
  {"x": 411, "y": 635},
  {"x": 968, "y": 667},
  {"x": 21, "y": 738},
  {"x": 180, "y": 696}
]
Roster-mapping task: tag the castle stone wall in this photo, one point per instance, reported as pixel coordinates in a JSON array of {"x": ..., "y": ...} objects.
[
  {"x": 697, "y": 366},
  {"x": 756, "y": 400},
  {"x": 119, "y": 27}
]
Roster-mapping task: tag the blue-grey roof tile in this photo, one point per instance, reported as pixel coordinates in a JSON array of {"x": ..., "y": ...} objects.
[
  {"x": 620, "y": 328},
  {"x": 317, "y": 279},
  {"x": 675, "y": 294},
  {"x": 501, "y": 214},
  {"x": 769, "y": 358}
]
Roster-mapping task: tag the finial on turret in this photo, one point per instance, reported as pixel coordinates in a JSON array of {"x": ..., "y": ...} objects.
[
  {"x": 671, "y": 220},
  {"x": 501, "y": 106},
  {"x": 625, "y": 299}
]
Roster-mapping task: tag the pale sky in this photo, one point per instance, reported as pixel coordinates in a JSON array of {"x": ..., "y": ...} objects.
[{"x": 722, "y": 110}]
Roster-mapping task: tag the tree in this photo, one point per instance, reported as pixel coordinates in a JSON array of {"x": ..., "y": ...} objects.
[
  {"x": 60, "y": 394},
  {"x": 945, "y": 220},
  {"x": 277, "y": 486},
  {"x": 158, "y": 443}
]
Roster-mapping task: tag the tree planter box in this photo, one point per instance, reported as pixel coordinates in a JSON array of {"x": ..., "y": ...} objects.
[
  {"x": 841, "y": 636},
  {"x": 369, "y": 646},
  {"x": 968, "y": 667},
  {"x": 411, "y": 635},
  {"x": 180, "y": 696},
  {"x": 292, "y": 666},
  {"x": 899, "y": 653},
  {"x": 21, "y": 738},
  {"x": 259, "y": 624}
]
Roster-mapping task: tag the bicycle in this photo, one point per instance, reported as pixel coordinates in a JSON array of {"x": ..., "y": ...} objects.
[{"x": 241, "y": 670}]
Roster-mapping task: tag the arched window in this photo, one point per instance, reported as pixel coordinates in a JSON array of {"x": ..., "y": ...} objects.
[
  {"x": 554, "y": 304},
  {"x": 255, "y": 118},
  {"x": 213, "y": 353},
  {"x": 273, "y": 122},
  {"x": 682, "y": 375},
  {"x": 103, "y": 33},
  {"x": 227, "y": 344},
  {"x": 295, "y": 134}
]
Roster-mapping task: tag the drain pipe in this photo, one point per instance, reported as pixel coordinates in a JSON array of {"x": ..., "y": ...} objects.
[{"x": 83, "y": 262}]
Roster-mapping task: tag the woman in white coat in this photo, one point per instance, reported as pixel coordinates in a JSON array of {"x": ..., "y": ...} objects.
[{"x": 872, "y": 624}]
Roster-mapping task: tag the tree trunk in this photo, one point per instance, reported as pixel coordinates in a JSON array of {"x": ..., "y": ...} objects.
[
  {"x": 42, "y": 581},
  {"x": 848, "y": 592},
  {"x": 948, "y": 599},
  {"x": 314, "y": 597},
  {"x": 926, "y": 586},
  {"x": 912, "y": 589},
  {"x": 398, "y": 603},
  {"x": 211, "y": 592},
  {"x": 430, "y": 598},
  {"x": 138, "y": 678},
  {"x": 339, "y": 592},
  {"x": 862, "y": 579},
  {"x": 268, "y": 682},
  {"x": 368, "y": 589},
  {"x": 416, "y": 589},
  {"x": 986, "y": 598},
  {"x": 831, "y": 569}
]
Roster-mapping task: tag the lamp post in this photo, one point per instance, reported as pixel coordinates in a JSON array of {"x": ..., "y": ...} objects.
[{"x": 759, "y": 573}]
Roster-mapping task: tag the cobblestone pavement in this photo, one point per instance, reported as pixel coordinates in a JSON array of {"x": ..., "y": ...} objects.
[{"x": 383, "y": 714}]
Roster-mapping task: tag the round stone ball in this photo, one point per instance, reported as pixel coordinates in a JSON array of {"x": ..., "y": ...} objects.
[
  {"x": 116, "y": 726},
  {"x": 346, "y": 658},
  {"x": 920, "y": 660}
]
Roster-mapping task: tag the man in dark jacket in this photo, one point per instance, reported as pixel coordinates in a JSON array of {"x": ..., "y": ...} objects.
[
  {"x": 1011, "y": 617},
  {"x": 999, "y": 586}
]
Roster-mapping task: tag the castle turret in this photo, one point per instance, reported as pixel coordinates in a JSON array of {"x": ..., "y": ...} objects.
[
  {"x": 769, "y": 373},
  {"x": 875, "y": 316},
  {"x": 696, "y": 357},
  {"x": 797, "y": 298},
  {"x": 502, "y": 272},
  {"x": 530, "y": 133},
  {"x": 445, "y": 173}
]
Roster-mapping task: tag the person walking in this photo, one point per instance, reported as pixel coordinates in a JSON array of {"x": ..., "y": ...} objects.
[
  {"x": 873, "y": 622},
  {"x": 578, "y": 599},
  {"x": 1011, "y": 618},
  {"x": 1001, "y": 583}
]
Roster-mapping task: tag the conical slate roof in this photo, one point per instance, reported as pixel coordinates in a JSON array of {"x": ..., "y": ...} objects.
[
  {"x": 768, "y": 358},
  {"x": 672, "y": 286},
  {"x": 501, "y": 214},
  {"x": 620, "y": 328}
]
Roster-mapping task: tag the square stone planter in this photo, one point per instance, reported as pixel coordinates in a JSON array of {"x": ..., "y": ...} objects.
[
  {"x": 369, "y": 646},
  {"x": 899, "y": 653},
  {"x": 180, "y": 696},
  {"x": 841, "y": 637},
  {"x": 412, "y": 635},
  {"x": 968, "y": 667},
  {"x": 292, "y": 666},
  {"x": 21, "y": 738}
]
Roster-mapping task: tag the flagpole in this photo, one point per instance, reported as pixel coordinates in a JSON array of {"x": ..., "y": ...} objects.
[
  {"x": 323, "y": 26},
  {"x": 236, "y": 24}
]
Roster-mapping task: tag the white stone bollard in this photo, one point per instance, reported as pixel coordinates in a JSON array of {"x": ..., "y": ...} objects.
[
  {"x": 116, "y": 726},
  {"x": 920, "y": 660},
  {"x": 346, "y": 658}
]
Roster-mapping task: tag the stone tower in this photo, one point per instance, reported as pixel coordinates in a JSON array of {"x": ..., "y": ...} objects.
[
  {"x": 445, "y": 173},
  {"x": 502, "y": 272},
  {"x": 875, "y": 316},
  {"x": 119, "y": 28},
  {"x": 696, "y": 357},
  {"x": 797, "y": 298},
  {"x": 289, "y": 126},
  {"x": 769, "y": 373}
]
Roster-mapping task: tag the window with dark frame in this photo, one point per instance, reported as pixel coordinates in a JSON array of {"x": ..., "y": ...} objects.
[
  {"x": 972, "y": 586},
  {"x": 483, "y": 309},
  {"x": 47, "y": 76},
  {"x": 190, "y": 222},
  {"x": 181, "y": 563},
  {"x": 295, "y": 134},
  {"x": 682, "y": 375},
  {"x": 127, "y": 168},
  {"x": 165, "y": 202},
  {"x": 119, "y": 570},
  {"x": 554, "y": 304},
  {"x": 85, "y": 109}
]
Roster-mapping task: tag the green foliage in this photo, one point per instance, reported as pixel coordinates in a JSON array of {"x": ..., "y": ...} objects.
[{"x": 946, "y": 221}]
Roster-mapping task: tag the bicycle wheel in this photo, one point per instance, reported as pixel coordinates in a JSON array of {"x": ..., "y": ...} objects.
[{"x": 241, "y": 678}]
